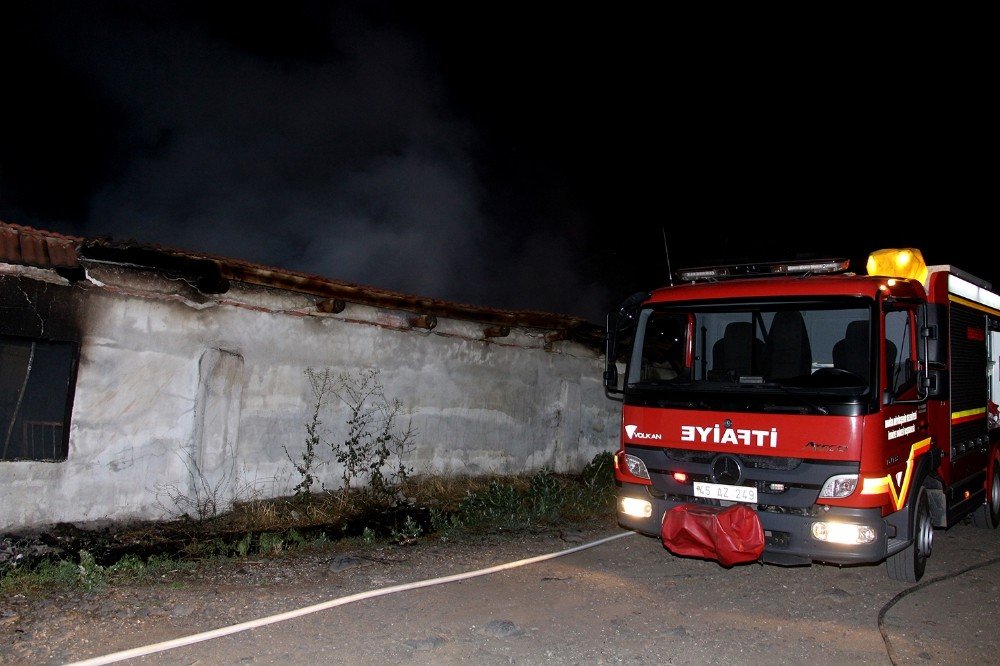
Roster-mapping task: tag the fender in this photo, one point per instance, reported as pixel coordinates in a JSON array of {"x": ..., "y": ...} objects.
[{"x": 902, "y": 519}]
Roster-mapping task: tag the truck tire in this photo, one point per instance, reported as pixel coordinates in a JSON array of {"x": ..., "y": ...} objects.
[
  {"x": 908, "y": 564},
  {"x": 988, "y": 515}
]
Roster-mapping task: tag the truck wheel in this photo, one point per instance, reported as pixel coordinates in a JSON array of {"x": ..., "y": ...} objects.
[
  {"x": 908, "y": 564},
  {"x": 988, "y": 515}
]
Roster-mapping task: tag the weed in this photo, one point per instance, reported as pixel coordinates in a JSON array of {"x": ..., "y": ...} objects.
[
  {"x": 243, "y": 545},
  {"x": 132, "y": 568},
  {"x": 444, "y": 523},
  {"x": 372, "y": 434},
  {"x": 600, "y": 471},
  {"x": 62, "y": 574},
  {"x": 545, "y": 496},
  {"x": 86, "y": 574},
  {"x": 200, "y": 500},
  {"x": 596, "y": 492},
  {"x": 270, "y": 544},
  {"x": 499, "y": 506},
  {"x": 128, "y": 566},
  {"x": 321, "y": 384},
  {"x": 409, "y": 532},
  {"x": 203, "y": 498},
  {"x": 91, "y": 574},
  {"x": 208, "y": 548},
  {"x": 47, "y": 574},
  {"x": 296, "y": 539},
  {"x": 371, "y": 454}
]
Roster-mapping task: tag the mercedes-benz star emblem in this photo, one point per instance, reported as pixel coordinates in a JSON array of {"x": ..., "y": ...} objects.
[{"x": 727, "y": 470}]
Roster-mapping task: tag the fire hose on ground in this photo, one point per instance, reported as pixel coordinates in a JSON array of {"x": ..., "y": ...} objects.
[
  {"x": 370, "y": 594},
  {"x": 299, "y": 612}
]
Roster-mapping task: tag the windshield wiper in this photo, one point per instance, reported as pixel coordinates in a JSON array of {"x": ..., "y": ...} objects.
[
  {"x": 759, "y": 382},
  {"x": 809, "y": 403},
  {"x": 661, "y": 383}
]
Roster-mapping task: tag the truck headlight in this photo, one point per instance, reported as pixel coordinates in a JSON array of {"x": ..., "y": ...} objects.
[
  {"x": 848, "y": 533},
  {"x": 840, "y": 485},
  {"x": 639, "y": 508}
]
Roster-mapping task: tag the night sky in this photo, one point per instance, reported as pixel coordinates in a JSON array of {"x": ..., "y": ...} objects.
[{"x": 497, "y": 154}]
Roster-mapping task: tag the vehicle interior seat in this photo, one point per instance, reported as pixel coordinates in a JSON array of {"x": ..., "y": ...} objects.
[
  {"x": 851, "y": 353},
  {"x": 738, "y": 350},
  {"x": 787, "y": 352}
]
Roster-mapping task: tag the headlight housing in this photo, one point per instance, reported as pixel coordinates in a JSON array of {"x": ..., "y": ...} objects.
[
  {"x": 636, "y": 467},
  {"x": 840, "y": 485}
]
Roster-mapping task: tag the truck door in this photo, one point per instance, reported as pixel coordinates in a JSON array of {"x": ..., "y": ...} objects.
[
  {"x": 907, "y": 437},
  {"x": 993, "y": 369}
]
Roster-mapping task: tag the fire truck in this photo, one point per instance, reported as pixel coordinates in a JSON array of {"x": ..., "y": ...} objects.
[{"x": 797, "y": 413}]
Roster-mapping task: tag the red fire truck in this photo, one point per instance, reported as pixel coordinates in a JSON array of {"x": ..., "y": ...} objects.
[{"x": 796, "y": 412}]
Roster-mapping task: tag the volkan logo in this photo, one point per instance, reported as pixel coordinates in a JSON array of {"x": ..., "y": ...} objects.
[{"x": 632, "y": 432}]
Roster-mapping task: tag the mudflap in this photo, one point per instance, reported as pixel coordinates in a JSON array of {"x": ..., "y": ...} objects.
[{"x": 731, "y": 535}]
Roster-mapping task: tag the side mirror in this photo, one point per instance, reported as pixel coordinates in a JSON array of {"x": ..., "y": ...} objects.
[
  {"x": 611, "y": 377},
  {"x": 610, "y": 353},
  {"x": 618, "y": 332}
]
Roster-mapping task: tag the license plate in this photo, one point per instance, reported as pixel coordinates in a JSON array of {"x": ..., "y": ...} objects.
[{"x": 722, "y": 492}]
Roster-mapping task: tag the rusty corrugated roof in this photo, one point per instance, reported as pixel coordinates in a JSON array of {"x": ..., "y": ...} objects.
[
  {"x": 226, "y": 268},
  {"x": 32, "y": 247},
  {"x": 354, "y": 293},
  {"x": 26, "y": 246}
]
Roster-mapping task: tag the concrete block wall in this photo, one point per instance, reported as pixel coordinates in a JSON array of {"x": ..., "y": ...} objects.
[{"x": 177, "y": 392}]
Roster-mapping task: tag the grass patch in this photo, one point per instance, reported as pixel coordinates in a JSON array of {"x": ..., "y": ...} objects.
[
  {"x": 451, "y": 507},
  {"x": 84, "y": 573}
]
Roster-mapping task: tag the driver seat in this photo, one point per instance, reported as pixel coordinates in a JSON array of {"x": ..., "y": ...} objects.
[
  {"x": 738, "y": 350},
  {"x": 851, "y": 353},
  {"x": 787, "y": 352}
]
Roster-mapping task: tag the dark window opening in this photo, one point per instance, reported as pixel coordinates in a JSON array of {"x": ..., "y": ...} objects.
[{"x": 36, "y": 391}]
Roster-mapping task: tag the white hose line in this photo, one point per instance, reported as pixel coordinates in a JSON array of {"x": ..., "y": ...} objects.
[{"x": 281, "y": 617}]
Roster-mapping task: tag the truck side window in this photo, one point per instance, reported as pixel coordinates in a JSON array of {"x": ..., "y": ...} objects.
[
  {"x": 900, "y": 352},
  {"x": 662, "y": 349}
]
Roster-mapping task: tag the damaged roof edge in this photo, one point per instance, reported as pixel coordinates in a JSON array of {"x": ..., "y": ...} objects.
[
  {"x": 353, "y": 293},
  {"x": 43, "y": 249}
]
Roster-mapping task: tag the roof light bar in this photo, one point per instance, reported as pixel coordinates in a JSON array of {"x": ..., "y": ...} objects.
[
  {"x": 757, "y": 270},
  {"x": 822, "y": 266},
  {"x": 690, "y": 275}
]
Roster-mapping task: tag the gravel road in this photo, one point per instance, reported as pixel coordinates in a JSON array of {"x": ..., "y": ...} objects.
[{"x": 624, "y": 601}]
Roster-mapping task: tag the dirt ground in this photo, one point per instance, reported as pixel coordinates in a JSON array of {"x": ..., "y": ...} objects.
[{"x": 624, "y": 601}]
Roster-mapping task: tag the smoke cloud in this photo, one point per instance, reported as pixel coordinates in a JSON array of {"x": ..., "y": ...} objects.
[{"x": 346, "y": 158}]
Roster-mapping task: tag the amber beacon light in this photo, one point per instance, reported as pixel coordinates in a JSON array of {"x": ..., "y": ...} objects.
[{"x": 898, "y": 263}]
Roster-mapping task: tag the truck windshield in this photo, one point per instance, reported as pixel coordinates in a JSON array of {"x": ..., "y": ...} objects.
[{"x": 802, "y": 347}]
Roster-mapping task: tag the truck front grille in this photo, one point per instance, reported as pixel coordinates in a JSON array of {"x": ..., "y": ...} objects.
[{"x": 783, "y": 484}]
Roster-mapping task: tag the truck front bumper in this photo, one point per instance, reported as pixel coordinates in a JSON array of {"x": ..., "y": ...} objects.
[{"x": 789, "y": 537}]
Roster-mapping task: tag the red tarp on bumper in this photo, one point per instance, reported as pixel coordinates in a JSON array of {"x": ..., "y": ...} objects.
[{"x": 730, "y": 534}]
